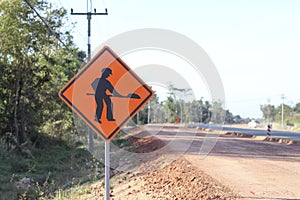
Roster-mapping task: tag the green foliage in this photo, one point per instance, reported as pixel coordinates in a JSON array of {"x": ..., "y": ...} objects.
[
  {"x": 287, "y": 112},
  {"x": 218, "y": 113},
  {"x": 274, "y": 114},
  {"x": 197, "y": 111},
  {"x": 269, "y": 112},
  {"x": 229, "y": 119},
  {"x": 170, "y": 109},
  {"x": 156, "y": 112},
  {"x": 237, "y": 119},
  {"x": 34, "y": 66},
  {"x": 58, "y": 165},
  {"x": 297, "y": 108}
]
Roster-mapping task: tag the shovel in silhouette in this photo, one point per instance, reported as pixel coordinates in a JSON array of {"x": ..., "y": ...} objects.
[
  {"x": 133, "y": 96},
  {"x": 130, "y": 95}
]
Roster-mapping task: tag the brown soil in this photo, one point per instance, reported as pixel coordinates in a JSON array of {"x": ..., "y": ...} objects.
[
  {"x": 181, "y": 180},
  {"x": 147, "y": 144},
  {"x": 235, "y": 168},
  {"x": 178, "y": 180}
]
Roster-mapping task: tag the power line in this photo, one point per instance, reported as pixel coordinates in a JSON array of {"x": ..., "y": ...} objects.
[
  {"x": 80, "y": 36},
  {"x": 51, "y": 30}
]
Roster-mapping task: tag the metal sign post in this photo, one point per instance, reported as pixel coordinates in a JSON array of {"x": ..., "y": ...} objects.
[{"x": 107, "y": 171}]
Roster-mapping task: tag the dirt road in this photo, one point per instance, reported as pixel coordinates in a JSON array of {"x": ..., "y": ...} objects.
[
  {"x": 183, "y": 163},
  {"x": 253, "y": 168}
]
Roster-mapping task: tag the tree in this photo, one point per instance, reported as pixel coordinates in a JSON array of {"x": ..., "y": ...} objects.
[
  {"x": 34, "y": 65},
  {"x": 229, "y": 119},
  {"x": 206, "y": 113},
  {"x": 195, "y": 111},
  {"x": 156, "y": 112},
  {"x": 237, "y": 119},
  {"x": 269, "y": 112},
  {"x": 287, "y": 112},
  {"x": 217, "y": 113},
  {"x": 170, "y": 110},
  {"x": 297, "y": 108}
]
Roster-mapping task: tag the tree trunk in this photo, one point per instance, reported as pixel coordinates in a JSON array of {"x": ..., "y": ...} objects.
[
  {"x": 18, "y": 133},
  {"x": 16, "y": 105},
  {"x": 23, "y": 131}
]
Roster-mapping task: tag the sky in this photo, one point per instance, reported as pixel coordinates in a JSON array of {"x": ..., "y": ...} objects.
[{"x": 254, "y": 44}]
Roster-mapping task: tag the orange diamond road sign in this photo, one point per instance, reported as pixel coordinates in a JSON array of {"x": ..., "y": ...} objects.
[{"x": 106, "y": 93}]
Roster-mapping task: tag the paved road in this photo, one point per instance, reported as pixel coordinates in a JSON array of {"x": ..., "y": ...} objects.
[{"x": 259, "y": 132}]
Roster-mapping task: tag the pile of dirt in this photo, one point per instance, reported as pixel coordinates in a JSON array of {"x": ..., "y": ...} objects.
[
  {"x": 181, "y": 180},
  {"x": 146, "y": 144},
  {"x": 165, "y": 180},
  {"x": 264, "y": 138},
  {"x": 238, "y": 134}
]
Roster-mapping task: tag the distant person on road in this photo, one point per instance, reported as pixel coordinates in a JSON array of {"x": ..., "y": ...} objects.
[
  {"x": 101, "y": 85},
  {"x": 269, "y": 129}
]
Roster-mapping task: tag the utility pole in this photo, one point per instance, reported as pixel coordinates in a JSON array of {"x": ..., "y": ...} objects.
[
  {"x": 89, "y": 17},
  {"x": 91, "y": 135},
  {"x": 282, "y": 110}
]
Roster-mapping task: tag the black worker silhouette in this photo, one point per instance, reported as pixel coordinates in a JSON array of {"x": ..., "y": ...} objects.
[{"x": 100, "y": 86}]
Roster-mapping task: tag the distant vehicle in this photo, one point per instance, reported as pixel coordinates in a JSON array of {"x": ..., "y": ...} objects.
[{"x": 253, "y": 124}]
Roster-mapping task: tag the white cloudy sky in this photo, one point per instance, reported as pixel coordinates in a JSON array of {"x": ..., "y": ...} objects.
[{"x": 255, "y": 44}]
